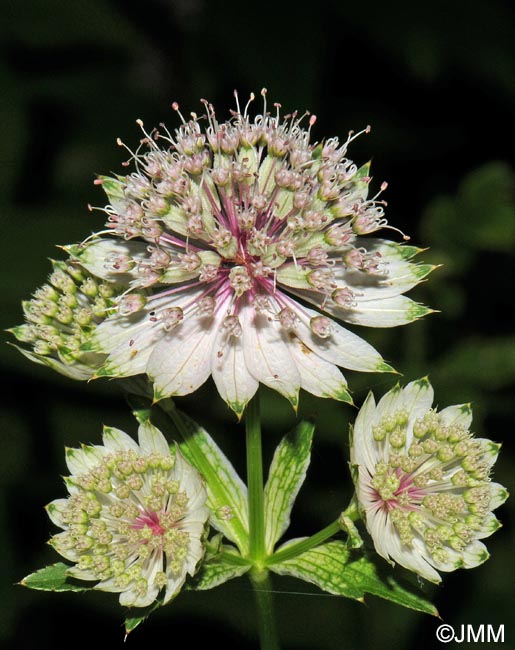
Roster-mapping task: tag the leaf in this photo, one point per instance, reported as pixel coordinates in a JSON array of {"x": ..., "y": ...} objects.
[
  {"x": 331, "y": 568},
  {"x": 217, "y": 571},
  {"x": 227, "y": 494},
  {"x": 323, "y": 566},
  {"x": 285, "y": 478},
  {"x": 52, "y": 578},
  {"x": 388, "y": 588}
]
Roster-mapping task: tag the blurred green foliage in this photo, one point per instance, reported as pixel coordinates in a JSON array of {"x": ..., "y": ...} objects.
[{"x": 436, "y": 81}]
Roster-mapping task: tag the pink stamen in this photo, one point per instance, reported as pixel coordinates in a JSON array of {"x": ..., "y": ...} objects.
[
  {"x": 150, "y": 519},
  {"x": 406, "y": 485}
]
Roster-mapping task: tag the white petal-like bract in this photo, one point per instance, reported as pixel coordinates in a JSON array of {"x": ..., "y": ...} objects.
[
  {"x": 135, "y": 518},
  {"x": 423, "y": 481}
]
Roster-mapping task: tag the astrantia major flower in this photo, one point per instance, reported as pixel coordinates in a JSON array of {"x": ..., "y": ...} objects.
[
  {"x": 219, "y": 232},
  {"x": 61, "y": 316},
  {"x": 135, "y": 518},
  {"x": 423, "y": 481}
]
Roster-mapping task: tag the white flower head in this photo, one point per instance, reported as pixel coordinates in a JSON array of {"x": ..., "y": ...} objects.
[
  {"x": 219, "y": 232},
  {"x": 423, "y": 481},
  {"x": 135, "y": 518}
]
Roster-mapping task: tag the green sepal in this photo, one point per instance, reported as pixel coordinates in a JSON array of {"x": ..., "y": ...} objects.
[
  {"x": 294, "y": 276},
  {"x": 113, "y": 187},
  {"x": 307, "y": 240},
  {"x": 286, "y": 476},
  {"x": 74, "y": 250},
  {"x": 334, "y": 568},
  {"x": 52, "y": 578},
  {"x": 421, "y": 271},
  {"x": 382, "y": 366},
  {"x": 407, "y": 252},
  {"x": 363, "y": 171},
  {"x": 417, "y": 310}
]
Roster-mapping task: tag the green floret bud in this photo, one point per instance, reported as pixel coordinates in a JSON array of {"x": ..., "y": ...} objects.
[{"x": 63, "y": 316}]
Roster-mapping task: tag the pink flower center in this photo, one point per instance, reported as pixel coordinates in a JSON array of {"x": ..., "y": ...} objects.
[
  {"x": 396, "y": 489},
  {"x": 150, "y": 519}
]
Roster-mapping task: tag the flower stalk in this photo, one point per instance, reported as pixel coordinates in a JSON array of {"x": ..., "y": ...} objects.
[
  {"x": 268, "y": 636},
  {"x": 350, "y": 514},
  {"x": 259, "y": 576},
  {"x": 255, "y": 481},
  {"x": 293, "y": 550}
]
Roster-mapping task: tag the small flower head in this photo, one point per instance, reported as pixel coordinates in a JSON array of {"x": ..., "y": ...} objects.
[
  {"x": 135, "y": 517},
  {"x": 219, "y": 231},
  {"x": 423, "y": 481},
  {"x": 61, "y": 317}
]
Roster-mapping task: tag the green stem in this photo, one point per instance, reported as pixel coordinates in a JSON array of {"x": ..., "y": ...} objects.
[
  {"x": 255, "y": 482},
  {"x": 304, "y": 545},
  {"x": 268, "y": 637},
  {"x": 351, "y": 513}
]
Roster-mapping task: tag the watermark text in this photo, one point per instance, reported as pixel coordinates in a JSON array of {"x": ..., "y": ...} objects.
[{"x": 483, "y": 633}]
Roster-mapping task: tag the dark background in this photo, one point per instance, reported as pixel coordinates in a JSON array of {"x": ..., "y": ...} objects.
[{"x": 436, "y": 82}]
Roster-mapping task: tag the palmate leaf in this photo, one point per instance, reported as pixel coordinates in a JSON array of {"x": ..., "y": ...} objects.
[
  {"x": 285, "y": 478},
  {"x": 332, "y": 568}
]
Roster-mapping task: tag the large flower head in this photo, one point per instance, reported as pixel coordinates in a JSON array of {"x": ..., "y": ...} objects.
[
  {"x": 423, "y": 481},
  {"x": 224, "y": 233},
  {"x": 135, "y": 518}
]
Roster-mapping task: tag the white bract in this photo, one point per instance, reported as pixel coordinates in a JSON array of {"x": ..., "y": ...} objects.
[
  {"x": 218, "y": 234},
  {"x": 423, "y": 481},
  {"x": 135, "y": 518}
]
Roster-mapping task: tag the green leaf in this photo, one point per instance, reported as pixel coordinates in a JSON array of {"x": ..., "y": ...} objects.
[
  {"x": 52, "y": 578},
  {"x": 323, "y": 566},
  {"x": 219, "y": 570},
  {"x": 285, "y": 478},
  {"x": 387, "y": 587},
  {"x": 332, "y": 568},
  {"x": 227, "y": 494}
]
